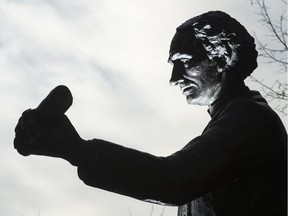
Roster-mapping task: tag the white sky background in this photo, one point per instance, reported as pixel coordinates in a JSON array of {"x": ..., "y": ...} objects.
[{"x": 112, "y": 55}]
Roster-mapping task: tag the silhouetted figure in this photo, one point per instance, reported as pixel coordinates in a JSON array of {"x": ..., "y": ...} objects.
[{"x": 236, "y": 167}]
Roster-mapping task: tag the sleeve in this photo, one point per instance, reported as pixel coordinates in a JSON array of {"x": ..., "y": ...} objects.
[{"x": 219, "y": 156}]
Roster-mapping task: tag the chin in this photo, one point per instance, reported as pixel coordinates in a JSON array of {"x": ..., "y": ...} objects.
[{"x": 200, "y": 101}]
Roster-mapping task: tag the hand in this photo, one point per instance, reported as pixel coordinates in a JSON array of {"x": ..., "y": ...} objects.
[{"x": 52, "y": 136}]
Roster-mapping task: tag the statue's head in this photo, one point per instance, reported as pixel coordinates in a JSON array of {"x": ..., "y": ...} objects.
[{"x": 205, "y": 48}]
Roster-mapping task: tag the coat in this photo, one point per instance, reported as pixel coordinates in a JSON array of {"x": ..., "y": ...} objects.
[{"x": 236, "y": 167}]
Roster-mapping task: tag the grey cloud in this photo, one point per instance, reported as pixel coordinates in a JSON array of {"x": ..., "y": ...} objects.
[{"x": 69, "y": 8}]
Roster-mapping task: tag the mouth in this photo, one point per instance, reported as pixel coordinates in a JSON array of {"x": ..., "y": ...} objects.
[{"x": 189, "y": 89}]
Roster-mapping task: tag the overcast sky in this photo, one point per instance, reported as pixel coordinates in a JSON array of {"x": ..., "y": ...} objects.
[{"x": 112, "y": 55}]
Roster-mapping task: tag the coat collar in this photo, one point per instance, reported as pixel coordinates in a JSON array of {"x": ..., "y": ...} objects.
[{"x": 240, "y": 91}]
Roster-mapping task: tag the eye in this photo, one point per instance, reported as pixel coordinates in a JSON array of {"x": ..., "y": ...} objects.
[
  {"x": 185, "y": 62},
  {"x": 186, "y": 65}
]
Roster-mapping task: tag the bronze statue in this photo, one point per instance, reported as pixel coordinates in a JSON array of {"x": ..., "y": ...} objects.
[{"x": 236, "y": 167}]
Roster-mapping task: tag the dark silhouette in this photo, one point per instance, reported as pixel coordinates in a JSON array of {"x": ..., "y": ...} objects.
[{"x": 236, "y": 167}]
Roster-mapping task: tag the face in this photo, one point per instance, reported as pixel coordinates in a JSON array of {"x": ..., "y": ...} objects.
[{"x": 199, "y": 81}]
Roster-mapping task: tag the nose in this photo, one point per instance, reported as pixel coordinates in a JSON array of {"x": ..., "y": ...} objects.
[{"x": 177, "y": 73}]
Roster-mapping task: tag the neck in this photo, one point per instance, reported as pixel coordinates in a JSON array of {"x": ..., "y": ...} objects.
[
  {"x": 228, "y": 93},
  {"x": 228, "y": 86}
]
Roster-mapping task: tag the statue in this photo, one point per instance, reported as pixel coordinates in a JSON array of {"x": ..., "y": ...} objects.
[{"x": 236, "y": 167}]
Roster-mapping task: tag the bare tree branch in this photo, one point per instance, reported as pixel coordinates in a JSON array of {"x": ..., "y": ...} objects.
[
  {"x": 276, "y": 92},
  {"x": 130, "y": 214},
  {"x": 274, "y": 52},
  {"x": 273, "y": 27},
  {"x": 152, "y": 209},
  {"x": 162, "y": 213},
  {"x": 278, "y": 35}
]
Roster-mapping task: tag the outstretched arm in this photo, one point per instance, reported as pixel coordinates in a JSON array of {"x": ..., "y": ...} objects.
[
  {"x": 211, "y": 160},
  {"x": 223, "y": 153}
]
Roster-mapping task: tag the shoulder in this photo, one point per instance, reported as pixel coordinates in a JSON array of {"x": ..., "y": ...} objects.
[
  {"x": 248, "y": 109},
  {"x": 252, "y": 117},
  {"x": 241, "y": 118}
]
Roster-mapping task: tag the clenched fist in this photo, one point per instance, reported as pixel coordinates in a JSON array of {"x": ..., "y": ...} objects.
[
  {"x": 53, "y": 136},
  {"x": 47, "y": 131}
]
